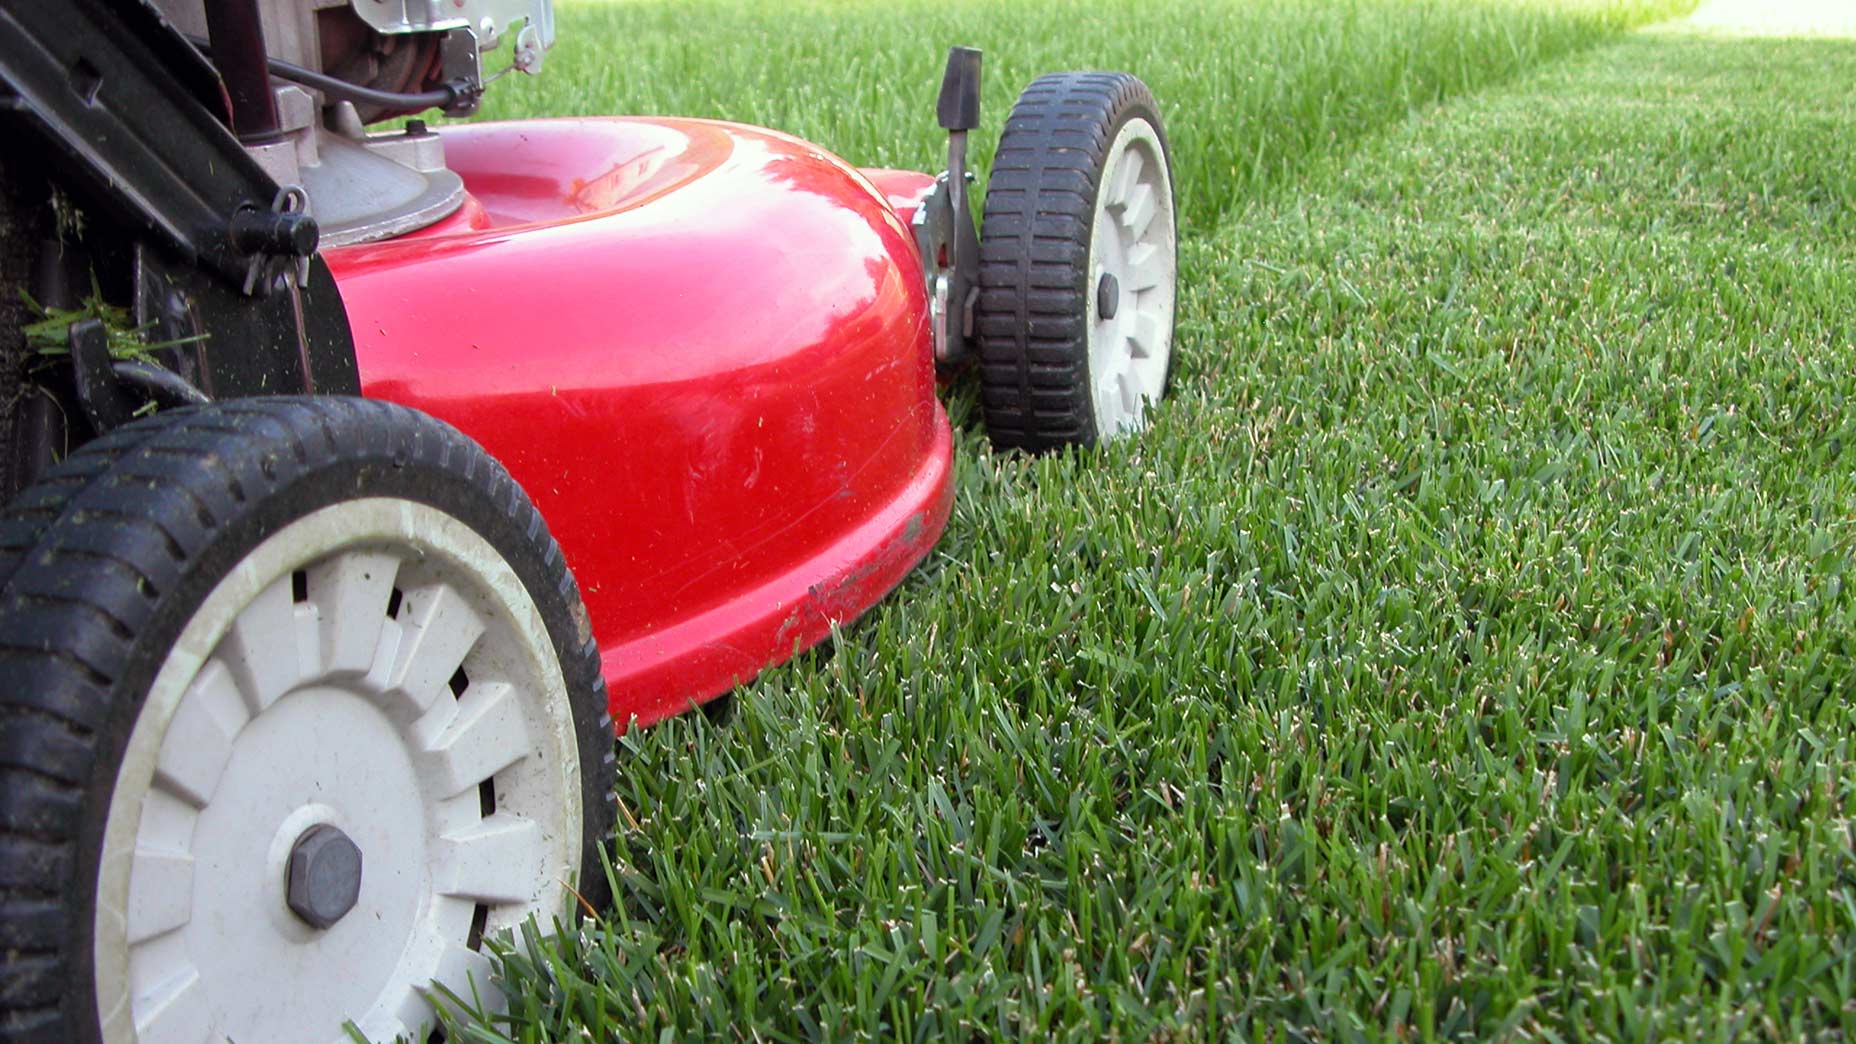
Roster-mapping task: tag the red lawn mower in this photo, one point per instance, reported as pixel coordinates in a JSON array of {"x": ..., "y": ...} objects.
[{"x": 359, "y": 481}]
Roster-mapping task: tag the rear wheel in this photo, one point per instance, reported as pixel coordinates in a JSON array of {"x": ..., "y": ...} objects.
[
  {"x": 1078, "y": 257},
  {"x": 302, "y": 704}
]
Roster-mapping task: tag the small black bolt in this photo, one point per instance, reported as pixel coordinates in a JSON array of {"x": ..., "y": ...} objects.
[
  {"x": 256, "y": 231},
  {"x": 324, "y": 877},
  {"x": 1108, "y": 296},
  {"x": 414, "y": 128}
]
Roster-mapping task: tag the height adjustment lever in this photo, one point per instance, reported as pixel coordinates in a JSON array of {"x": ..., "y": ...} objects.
[
  {"x": 959, "y": 106},
  {"x": 944, "y": 228}
]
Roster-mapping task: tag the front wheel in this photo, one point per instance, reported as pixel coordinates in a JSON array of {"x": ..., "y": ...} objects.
[
  {"x": 301, "y": 703},
  {"x": 1078, "y": 260}
]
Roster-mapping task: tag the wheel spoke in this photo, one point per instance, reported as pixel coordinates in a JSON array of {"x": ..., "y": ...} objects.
[
  {"x": 1126, "y": 177},
  {"x": 439, "y": 629},
  {"x": 1146, "y": 268},
  {"x": 1138, "y": 213},
  {"x": 388, "y": 656},
  {"x": 497, "y": 862},
  {"x": 1129, "y": 390},
  {"x": 168, "y": 820},
  {"x": 1114, "y": 363},
  {"x": 306, "y": 626},
  {"x": 487, "y": 735},
  {"x": 350, "y": 592},
  {"x": 160, "y": 893},
  {"x": 182, "y": 1016},
  {"x": 199, "y": 739},
  {"x": 384, "y": 1026},
  {"x": 1144, "y": 337},
  {"x": 259, "y": 649},
  {"x": 467, "y": 974}
]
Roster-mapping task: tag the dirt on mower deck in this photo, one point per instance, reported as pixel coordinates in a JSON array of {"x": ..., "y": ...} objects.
[{"x": 1774, "y": 17}]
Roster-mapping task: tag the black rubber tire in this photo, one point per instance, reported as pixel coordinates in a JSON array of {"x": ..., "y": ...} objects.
[
  {"x": 1032, "y": 314},
  {"x": 103, "y": 563}
]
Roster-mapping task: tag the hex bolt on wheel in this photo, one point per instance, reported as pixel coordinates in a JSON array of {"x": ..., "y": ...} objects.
[
  {"x": 308, "y": 705},
  {"x": 1108, "y": 296},
  {"x": 324, "y": 878},
  {"x": 1078, "y": 264}
]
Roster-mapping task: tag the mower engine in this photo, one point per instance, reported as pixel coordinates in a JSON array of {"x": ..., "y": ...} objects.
[{"x": 305, "y": 78}]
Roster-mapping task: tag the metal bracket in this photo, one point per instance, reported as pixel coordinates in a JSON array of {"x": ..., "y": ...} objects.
[
  {"x": 461, "y": 64},
  {"x": 246, "y": 350},
  {"x": 944, "y": 228},
  {"x": 100, "y": 379},
  {"x": 104, "y": 404}
]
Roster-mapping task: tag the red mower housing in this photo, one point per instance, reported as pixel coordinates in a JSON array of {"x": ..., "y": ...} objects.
[{"x": 704, "y": 351}]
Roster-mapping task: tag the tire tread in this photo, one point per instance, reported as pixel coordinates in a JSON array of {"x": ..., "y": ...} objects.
[{"x": 1034, "y": 256}]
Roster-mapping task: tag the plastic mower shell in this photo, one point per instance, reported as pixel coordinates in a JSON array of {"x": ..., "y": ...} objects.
[{"x": 704, "y": 351}]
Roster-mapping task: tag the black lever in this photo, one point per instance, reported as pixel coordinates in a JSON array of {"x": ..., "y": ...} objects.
[
  {"x": 102, "y": 399},
  {"x": 959, "y": 106}
]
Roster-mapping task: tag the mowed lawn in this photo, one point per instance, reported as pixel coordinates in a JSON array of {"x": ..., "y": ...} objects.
[{"x": 1465, "y": 652}]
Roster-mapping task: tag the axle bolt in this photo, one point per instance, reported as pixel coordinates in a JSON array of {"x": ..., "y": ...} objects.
[
  {"x": 1108, "y": 296},
  {"x": 290, "y": 234},
  {"x": 324, "y": 877}
]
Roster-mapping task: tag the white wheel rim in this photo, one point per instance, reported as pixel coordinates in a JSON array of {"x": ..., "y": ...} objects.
[
  {"x": 271, "y": 715},
  {"x": 1132, "y": 247}
]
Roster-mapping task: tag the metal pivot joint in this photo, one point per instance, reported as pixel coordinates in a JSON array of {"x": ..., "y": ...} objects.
[
  {"x": 257, "y": 231},
  {"x": 283, "y": 237},
  {"x": 944, "y": 228}
]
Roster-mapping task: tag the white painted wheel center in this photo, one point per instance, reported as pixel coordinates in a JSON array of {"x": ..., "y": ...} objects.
[
  {"x": 1132, "y": 262},
  {"x": 376, "y": 667}
]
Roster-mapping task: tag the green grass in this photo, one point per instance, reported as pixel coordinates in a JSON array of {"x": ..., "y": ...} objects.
[
  {"x": 1252, "y": 89},
  {"x": 1466, "y": 651}
]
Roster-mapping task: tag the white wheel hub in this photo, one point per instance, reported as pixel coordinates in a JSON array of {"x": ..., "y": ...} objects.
[
  {"x": 378, "y": 668},
  {"x": 1132, "y": 263}
]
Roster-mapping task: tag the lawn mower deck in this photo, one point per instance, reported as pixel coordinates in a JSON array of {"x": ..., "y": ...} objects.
[{"x": 703, "y": 350}]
